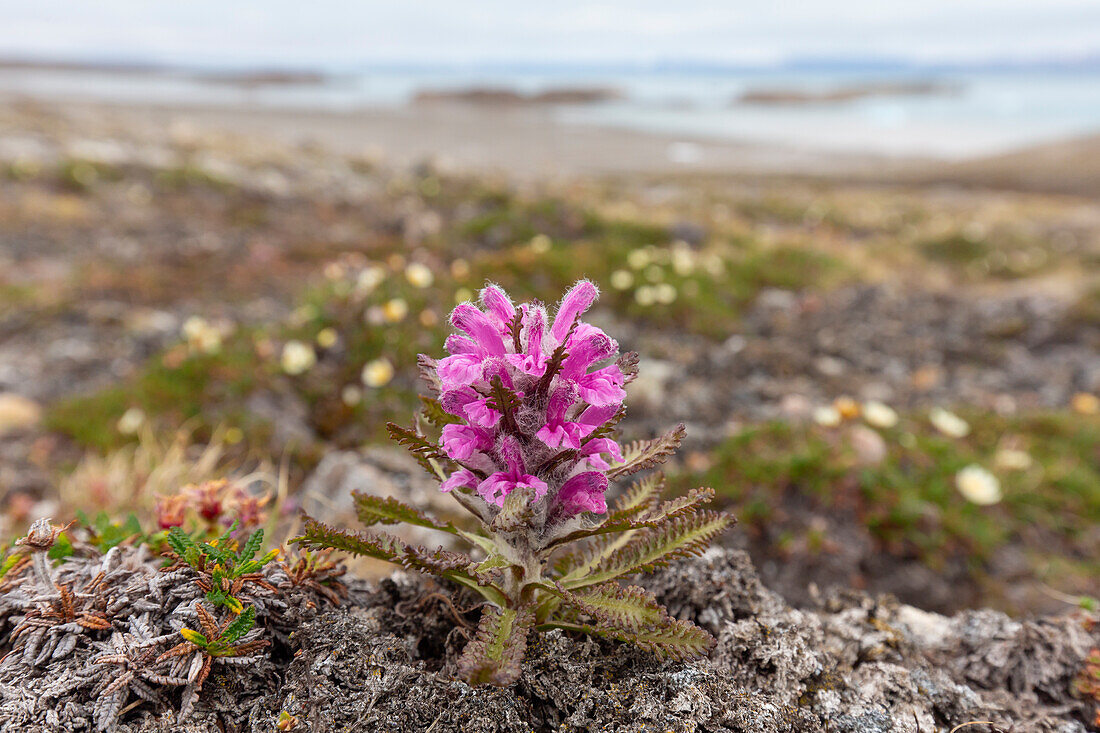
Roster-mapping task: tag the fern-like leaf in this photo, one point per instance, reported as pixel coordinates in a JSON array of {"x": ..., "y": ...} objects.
[
  {"x": 426, "y": 366},
  {"x": 239, "y": 626},
  {"x": 643, "y": 454},
  {"x": 317, "y": 535},
  {"x": 495, "y": 654},
  {"x": 650, "y": 549},
  {"x": 629, "y": 608},
  {"x": 647, "y": 519},
  {"x": 628, "y": 365},
  {"x": 387, "y": 510},
  {"x": 251, "y": 546},
  {"x": 674, "y": 639},
  {"x": 434, "y": 413},
  {"x": 423, "y": 450}
]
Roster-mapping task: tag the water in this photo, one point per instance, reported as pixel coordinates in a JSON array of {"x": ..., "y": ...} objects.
[{"x": 983, "y": 112}]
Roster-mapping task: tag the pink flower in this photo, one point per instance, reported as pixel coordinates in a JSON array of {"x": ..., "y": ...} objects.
[
  {"x": 593, "y": 452},
  {"x": 538, "y": 433},
  {"x": 462, "y": 441},
  {"x": 558, "y": 431},
  {"x": 498, "y": 485},
  {"x": 460, "y": 479},
  {"x": 578, "y": 300},
  {"x": 466, "y": 403},
  {"x": 583, "y": 493}
]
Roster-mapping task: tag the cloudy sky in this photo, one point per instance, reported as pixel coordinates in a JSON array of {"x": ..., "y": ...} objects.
[{"x": 333, "y": 34}]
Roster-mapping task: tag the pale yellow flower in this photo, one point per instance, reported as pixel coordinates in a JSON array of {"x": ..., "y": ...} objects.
[
  {"x": 327, "y": 338},
  {"x": 419, "y": 275},
  {"x": 131, "y": 421},
  {"x": 377, "y": 373},
  {"x": 827, "y": 416},
  {"x": 638, "y": 258},
  {"x": 541, "y": 243},
  {"x": 460, "y": 268},
  {"x": 395, "y": 310},
  {"x": 622, "y": 279},
  {"x": 645, "y": 295},
  {"x": 978, "y": 485},
  {"x": 351, "y": 395},
  {"x": 1012, "y": 459},
  {"x": 297, "y": 357},
  {"x": 664, "y": 293},
  {"x": 1084, "y": 403},
  {"x": 879, "y": 415},
  {"x": 948, "y": 423},
  {"x": 369, "y": 278}
]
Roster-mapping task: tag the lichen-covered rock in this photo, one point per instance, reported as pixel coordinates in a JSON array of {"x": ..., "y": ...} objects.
[{"x": 384, "y": 661}]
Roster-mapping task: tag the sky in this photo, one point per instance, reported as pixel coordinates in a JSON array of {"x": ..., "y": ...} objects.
[{"x": 331, "y": 34}]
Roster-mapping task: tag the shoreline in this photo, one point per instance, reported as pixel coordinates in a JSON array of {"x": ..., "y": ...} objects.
[{"x": 528, "y": 143}]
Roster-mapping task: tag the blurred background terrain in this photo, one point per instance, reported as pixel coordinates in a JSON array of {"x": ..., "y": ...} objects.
[{"x": 858, "y": 252}]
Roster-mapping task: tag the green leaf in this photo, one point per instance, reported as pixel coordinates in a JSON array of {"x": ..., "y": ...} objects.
[
  {"x": 62, "y": 548},
  {"x": 610, "y": 604},
  {"x": 649, "y": 549},
  {"x": 674, "y": 639},
  {"x": 649, "y": 519},
  {"x": 251, "y": 546},
  {"x": 641, "y": 495},
  {"x": 495, "y": 654},
  {"x": 181, "y": 543},
  {"x": 422, "y": 449},
  {"x": 240, "y": 625},
  {"x": 643, "y": 454},
  {"x": 380, "y": 546},
  {"x": 450, "y": 565},
  {"x": 387, "y": 510},
  {"x": 435, "y": 414}
]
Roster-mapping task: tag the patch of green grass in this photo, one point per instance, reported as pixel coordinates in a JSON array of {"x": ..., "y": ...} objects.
[
  {"x": 207, "y": 387},
  {"x": 910, "y": 500},
  {"x": 955, "y": 249}
]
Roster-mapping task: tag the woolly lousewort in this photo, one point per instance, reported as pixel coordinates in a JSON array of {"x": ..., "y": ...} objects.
[
  {"x": 529, "y": 394},
  {"x": 520, "y": 431}
]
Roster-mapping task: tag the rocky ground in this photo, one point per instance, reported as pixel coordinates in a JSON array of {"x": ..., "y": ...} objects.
[{"x": 384, "y": 660}]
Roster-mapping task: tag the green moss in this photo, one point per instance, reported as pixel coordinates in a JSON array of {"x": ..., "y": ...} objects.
[{"x": 910, "y": 500}]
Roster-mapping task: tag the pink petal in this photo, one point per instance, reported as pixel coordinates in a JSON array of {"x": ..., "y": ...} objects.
[
  {"x": 498, "y": 307},
  {"x": 584, "y": 493},
  {"x": 458, "y": 479},
  {"x": 465, "y": 317},
  {"x": 579, "y": 299}
]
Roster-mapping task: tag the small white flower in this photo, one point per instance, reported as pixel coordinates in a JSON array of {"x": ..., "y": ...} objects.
[
  {"x": 622, "y": 279},
  {"x": 1012, "y": 459},
  {"x": 638, "y": 258},
  {"x": 645, "y": 295},
  {"x": 419, "y": 275},
  {"x": 327, "y": 338},
  {"x": 377, "y": 373},
  {"x": 664, "y": 293},
  {"x": 978, "y": 485},
  {"x": 298, "y": 357},
  {"x": 948, "y": 423},
  {"x": 879, "y": 415},
  {"x": 540, "y": 244},
  {"x": 131, "y": 421},
  {"x": 827, "y": 416},
  {"x": 395, "y": 310},
  {"x": 351, "y": 395},
  {"x": 369, "y": 278}
]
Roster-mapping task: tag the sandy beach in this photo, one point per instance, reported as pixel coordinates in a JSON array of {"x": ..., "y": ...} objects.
[{"x": 528, "y": 143}]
